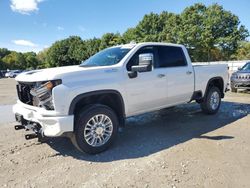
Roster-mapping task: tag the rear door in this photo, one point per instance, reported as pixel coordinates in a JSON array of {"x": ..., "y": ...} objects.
[{"x": 179, "y": 74}]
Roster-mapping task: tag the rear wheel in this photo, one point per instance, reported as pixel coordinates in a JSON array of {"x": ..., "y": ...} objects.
[
  {"x": 95, "y": 129},
  {"x": 212, "y": 100}
]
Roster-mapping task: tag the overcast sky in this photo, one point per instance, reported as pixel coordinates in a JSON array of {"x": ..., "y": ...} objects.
[{"x": 31, "y": 25}]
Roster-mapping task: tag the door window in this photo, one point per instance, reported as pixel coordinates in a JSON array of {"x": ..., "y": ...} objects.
[
  {"x": 171, "y": 56},
  {"x": 135, "y": 58}
]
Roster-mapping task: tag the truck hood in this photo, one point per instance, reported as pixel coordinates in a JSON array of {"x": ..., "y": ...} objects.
[{"x": 53, "y": 73}]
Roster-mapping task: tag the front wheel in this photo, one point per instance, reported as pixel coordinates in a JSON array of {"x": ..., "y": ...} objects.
[
  {"x": 95, "y": 129},
  {"x": 211, "y": 102}
]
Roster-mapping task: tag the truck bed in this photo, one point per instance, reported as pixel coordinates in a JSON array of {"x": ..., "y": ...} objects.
[{"x": 204, "y": 72}]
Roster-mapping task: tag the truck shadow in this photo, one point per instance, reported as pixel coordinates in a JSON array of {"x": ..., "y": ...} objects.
[{"x": 153, "y": 132}]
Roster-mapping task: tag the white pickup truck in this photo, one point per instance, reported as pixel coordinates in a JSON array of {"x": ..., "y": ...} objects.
[{"x": 90, "y": 101}]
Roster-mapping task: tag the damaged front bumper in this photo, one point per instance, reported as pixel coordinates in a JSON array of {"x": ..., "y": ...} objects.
[{"x": 41, "y": 121}]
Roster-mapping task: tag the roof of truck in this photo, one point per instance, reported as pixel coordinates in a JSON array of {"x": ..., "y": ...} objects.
[{"x": 133, "y": 44}]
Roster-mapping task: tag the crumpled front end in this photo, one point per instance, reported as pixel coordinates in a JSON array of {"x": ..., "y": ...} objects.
[
  {"x": 36, "y": 120},
  {"x": 35, "y": 110}
]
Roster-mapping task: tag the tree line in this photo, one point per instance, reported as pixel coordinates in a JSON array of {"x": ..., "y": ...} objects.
[{"x": 210, "y": 33}]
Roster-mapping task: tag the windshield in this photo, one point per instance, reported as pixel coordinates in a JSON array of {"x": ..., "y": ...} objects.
[
  {"x": 109, "y": 56},
  {"x": 246, "y": 67}
]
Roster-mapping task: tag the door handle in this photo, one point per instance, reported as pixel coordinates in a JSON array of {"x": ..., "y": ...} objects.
[
  {"x": 161, "y": 75},
  {"x": 189, "y": 72}
]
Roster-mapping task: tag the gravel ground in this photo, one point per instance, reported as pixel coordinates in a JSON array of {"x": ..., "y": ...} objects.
[
  {"x": 178, "y": 147},
  {"x": 7, "y": 91}
]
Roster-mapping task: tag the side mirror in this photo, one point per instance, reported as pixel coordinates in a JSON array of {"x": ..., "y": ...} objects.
[
  {"x": 145, "y": 63},
  {"x": 239, "y": 68}
]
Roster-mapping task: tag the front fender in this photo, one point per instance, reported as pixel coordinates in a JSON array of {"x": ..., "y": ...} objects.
[{"x": 92, "y": 93}]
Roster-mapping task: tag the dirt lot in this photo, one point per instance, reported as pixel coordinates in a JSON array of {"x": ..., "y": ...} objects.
[{"x": 178, "y": 147}]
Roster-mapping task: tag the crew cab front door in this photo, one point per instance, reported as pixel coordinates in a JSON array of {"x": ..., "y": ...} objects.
[{"x": 147, "y": 91}]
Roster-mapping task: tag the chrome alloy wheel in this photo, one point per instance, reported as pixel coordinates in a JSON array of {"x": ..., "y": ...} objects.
[
  {"x": 98, "y": 130},
  {"x": 215, "y": 100}
]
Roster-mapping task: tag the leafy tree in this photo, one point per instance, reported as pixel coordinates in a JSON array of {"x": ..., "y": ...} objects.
[
  {"x": 243, "y": 52},
  {"x": 4, "y": 52},
  {"x": 66, "y": 52},
  {"x": 14, "y": 60},
  {"x": 149, "y": 28},
  {"x": 192, "y": 32},
  {"x": 209, "y": 32},
  {"x": 2, "y": 65},
  {"x": 226, "y": 30},
  {"x": 171, "y": 27},
  {"x": 42, "y": 59},
  {"x": 130, "y": 35},
  {"x": 205, "y": 29},
  {"x": 110, "y": 39},
  {"x": 92, "y": 46},
  {"x": 31, "y": 61}
]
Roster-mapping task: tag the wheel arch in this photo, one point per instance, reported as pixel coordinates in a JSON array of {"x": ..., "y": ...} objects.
[
  {"x": 218, "y": 82},
  {"x": 111, "y": 98}
]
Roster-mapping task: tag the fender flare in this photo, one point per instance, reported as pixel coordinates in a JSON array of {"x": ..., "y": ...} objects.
[
  {"x": 92, "y": 93},
  {"x": 211, "y": 80}
]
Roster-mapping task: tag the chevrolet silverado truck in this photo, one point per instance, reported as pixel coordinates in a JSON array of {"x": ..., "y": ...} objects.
[{"x": 90, "y": 101}]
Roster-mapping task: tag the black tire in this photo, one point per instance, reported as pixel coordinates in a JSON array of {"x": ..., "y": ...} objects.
[
  {"x": 83, "y": 117},
  {"x": 234, "y": 90},
  {"x": 206, "y": 105}
]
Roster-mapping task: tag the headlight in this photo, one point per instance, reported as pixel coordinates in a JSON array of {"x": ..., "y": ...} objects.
[{"x": 42, "y": 93}]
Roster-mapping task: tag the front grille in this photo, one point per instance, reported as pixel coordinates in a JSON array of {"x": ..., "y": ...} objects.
[
  {"x": 31, "y": 93},
  {"x": 245, "y": 77},
  {"x": 23, "y": 92}
]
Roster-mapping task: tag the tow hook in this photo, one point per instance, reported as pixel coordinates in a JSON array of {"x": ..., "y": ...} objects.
[
  {"x": 30, "y": 136},
  {"x": 36, "y": 128},
  {"x": 19, "y": 127}
]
